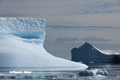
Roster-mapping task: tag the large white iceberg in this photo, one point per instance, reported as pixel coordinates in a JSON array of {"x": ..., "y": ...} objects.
[{"x": 21, "y": 45}]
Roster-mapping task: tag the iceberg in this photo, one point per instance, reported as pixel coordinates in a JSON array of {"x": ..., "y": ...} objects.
[
  {"x": 21, "y": 45},
  {"x": 88, "y": 53}
]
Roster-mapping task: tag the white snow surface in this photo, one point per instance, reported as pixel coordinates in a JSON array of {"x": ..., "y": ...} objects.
[
  {"x": 108, "y": 52},
  {"x": 21, "y": 45},
  {"x": 111, "y": 52}
]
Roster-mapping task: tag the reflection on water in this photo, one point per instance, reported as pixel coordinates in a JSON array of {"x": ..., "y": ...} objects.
[{"x": 37, "y": 73}]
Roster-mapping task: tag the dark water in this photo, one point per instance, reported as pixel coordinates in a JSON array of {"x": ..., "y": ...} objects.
[{"x": 37, "y": 73}]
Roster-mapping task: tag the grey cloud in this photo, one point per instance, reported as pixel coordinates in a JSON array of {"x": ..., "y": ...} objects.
[
  {"x": 84, "y": 27},
  {"x": 66, "y": 39},
  {"x": 97, "y": 8},
  {"x": 12, "y": 15},
  {"x": 91, "y": 38},
  {"x": 63, "y": 12},
  {"x": 0, "y": 1}
]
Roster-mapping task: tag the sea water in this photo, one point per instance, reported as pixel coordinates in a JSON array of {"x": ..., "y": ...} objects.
[{"x": 37, "y": 73}]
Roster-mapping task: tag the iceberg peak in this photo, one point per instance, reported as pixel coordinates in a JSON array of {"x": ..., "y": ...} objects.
[{"x": 87, "y": 44}]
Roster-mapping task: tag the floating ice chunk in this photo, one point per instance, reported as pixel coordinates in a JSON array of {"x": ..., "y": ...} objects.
[
  {"x": 93, "y": 72},
  {"x": 102, "y": 72}
]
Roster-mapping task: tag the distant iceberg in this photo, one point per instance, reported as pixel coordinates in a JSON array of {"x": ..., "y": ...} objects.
[
  {"x": 21, "y": 45},
  {"x": 87, "y": 53}
]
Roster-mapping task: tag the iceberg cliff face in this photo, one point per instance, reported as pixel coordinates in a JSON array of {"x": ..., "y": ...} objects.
[{"x": 21, "y": 45}]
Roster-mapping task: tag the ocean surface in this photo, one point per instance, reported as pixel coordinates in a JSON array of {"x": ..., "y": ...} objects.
[{"x": 34, "y": 73}]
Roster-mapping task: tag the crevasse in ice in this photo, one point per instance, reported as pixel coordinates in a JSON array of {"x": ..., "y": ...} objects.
[{"x": 21, "y": 45}]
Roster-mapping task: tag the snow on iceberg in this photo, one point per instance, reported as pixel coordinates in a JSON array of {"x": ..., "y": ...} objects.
[{"x": 21, "y": 45}]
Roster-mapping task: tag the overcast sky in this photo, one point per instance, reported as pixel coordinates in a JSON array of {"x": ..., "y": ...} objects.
[{"x": 70, "y": 23}]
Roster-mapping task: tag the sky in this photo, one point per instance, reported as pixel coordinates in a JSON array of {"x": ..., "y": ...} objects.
[{"x": 71, "y": 23}]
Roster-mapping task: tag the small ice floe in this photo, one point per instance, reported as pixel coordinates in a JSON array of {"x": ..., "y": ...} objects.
[{"x": 93, "y": 72}]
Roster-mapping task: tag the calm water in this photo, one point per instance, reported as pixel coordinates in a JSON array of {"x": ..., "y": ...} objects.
[{"x": 37, "y": 73}]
